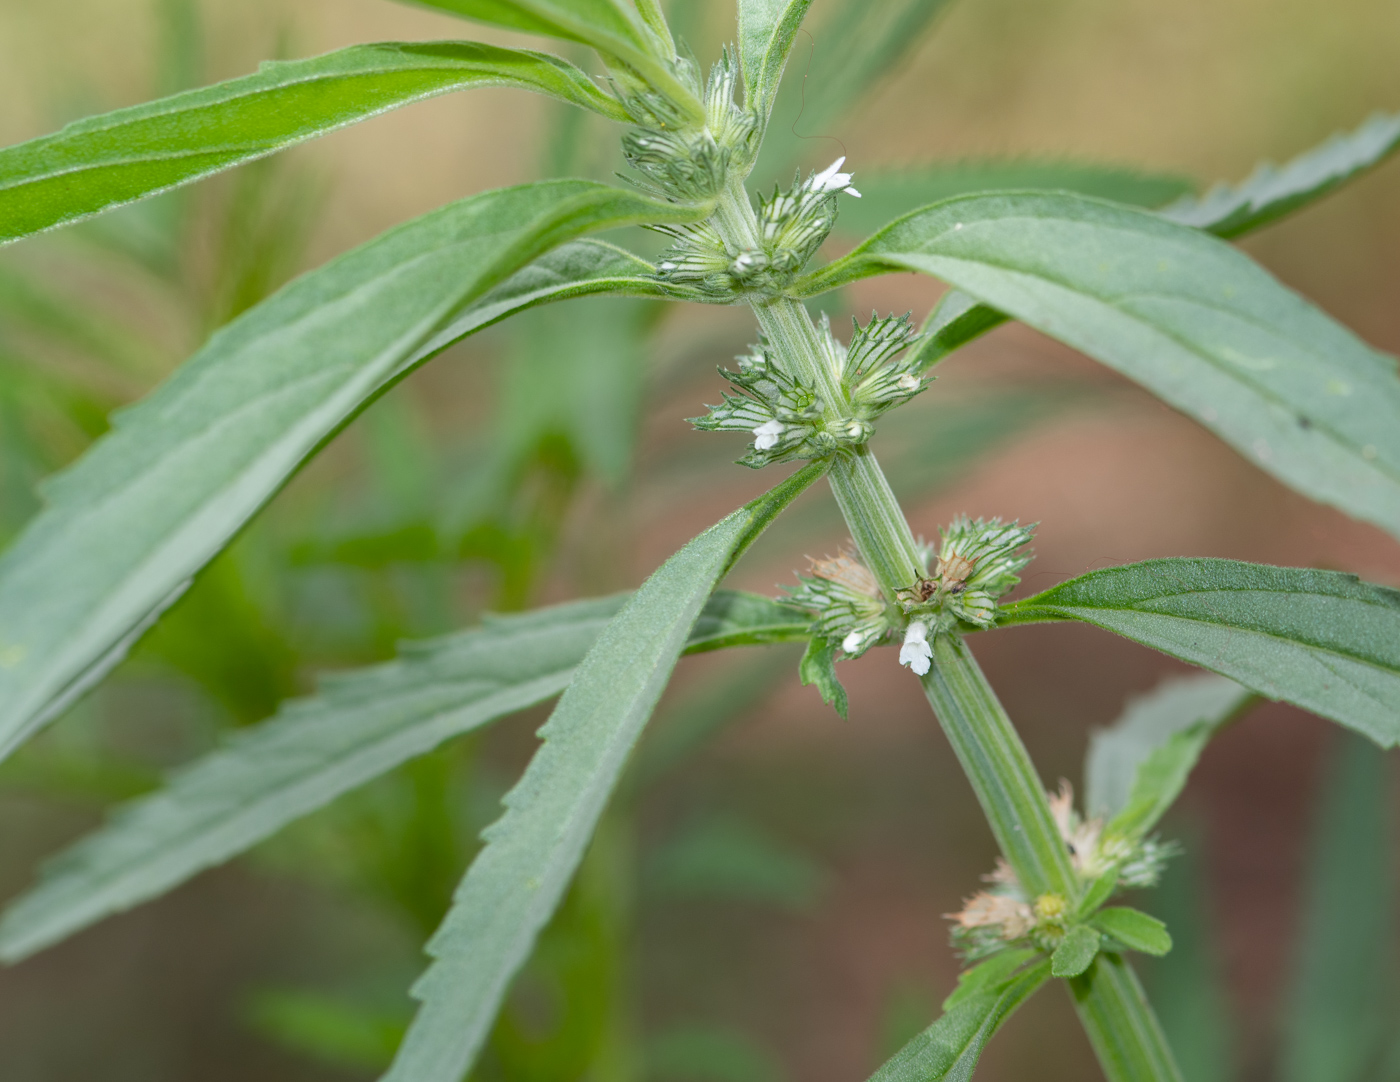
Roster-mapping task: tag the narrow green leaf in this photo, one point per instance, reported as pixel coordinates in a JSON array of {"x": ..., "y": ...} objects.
[
  {"x": 655, "y": 18},
  {"x": 1188, "y": 317},
  {"x": 949, "y": 1049},
  {"x": 888, "y": 195},
  {"x": 1098, "y": 892},
  {"x": 989, "y": 975},
  {"x": 181, "y": 472},
  {"x": 818, "y": 666},
  {"x": 360, "y": 725},
  {"x": 105, "y": 161},
  {"x": 1076, "y": 951},
  {"x": 1138, "y": 766},
  {"x": 1270, "y": 192},
  {"x": 1322, "y": 640},
  {"x": 517, "y": 880},
  {"x": 1134, "y": 929},
  {"x": 766, "y": 32},
  {"x": 957, "y": 318},
  {"x": 612, "y": 27},
  {"x": 1337, "y": 1012},
  {"x": 954, "y": 322}
]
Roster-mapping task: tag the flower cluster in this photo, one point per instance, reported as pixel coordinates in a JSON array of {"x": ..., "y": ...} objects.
[
  {"x": 874, "y": 380},
  {"x": 977, "y": 564},
  {"x": 792, "y": 226},
  {"x": 786, "y": 417},
  {"x": 688, "y": 163},
  {"x": 1003, "y": 915},
  {"x": 845, "y": 601}
]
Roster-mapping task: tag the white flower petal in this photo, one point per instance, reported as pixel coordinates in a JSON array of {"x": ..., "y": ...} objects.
[
  {"x": 767, "y": 434},
  {"x": 819, "y": 181}
]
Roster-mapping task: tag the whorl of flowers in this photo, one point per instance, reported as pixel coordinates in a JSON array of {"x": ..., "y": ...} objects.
[
  {"x": 787, "y": 419},
  {"x": 845, "y": 602},
  {"x": 693, "y": 164},
  {"x": 1004, "y": 915},
  {"x": 792, "y": 226}
]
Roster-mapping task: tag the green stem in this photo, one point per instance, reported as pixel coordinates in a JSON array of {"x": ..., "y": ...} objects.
[
  {"x": 1120, "y": 1023},
  {"x": 1114, "y": 1011},
  {"x": 1000, "y": 769}
]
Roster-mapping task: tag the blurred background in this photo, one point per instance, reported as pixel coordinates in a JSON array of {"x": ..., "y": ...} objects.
[{"x": 764, "y": 900}]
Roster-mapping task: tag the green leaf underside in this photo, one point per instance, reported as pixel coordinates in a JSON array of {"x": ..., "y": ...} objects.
[
  {"x": 766, "y": 32},
  {"x": 1138, "y": 766},
  {"x": 182, "y": 471},
  {"x": 1272, "y": 191},
  {"x": 517, "y": 880},
  {"x": 359, "y": 726},
  {"x": 1194, "y": 321},
  {"x": 949, "y": 1049},
  {"x": 1076, "y": 952},
  {"x": 105, "y": 161},
  {"x": 1322, "y": 640},
  {"x": 888, "y": 195},
  {"x": 1134, "y": 929}
]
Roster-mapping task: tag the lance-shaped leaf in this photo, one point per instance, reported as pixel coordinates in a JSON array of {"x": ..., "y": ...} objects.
[
  {"x": 360, "y": 725},
  {"x": 1322, "y": 640},
  {"x": 182, "y": 471},
  {"x": 1271, "y": 191},
  {"x": 516, "y": 882},
  {"x": 986, "y": 996},
  {"x": 1268, "y": 194},
  {"x": 1187, "y": 316},
  {"x": 108, "y": 160},
  {"x": 886, "y": 195},
  {"x": 1137, "y": 767},
  {"x": 766, "y": 32},
  {"x": 612, "y": 27}
]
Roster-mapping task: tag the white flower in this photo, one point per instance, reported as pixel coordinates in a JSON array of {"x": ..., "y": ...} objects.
[
  {"x": 767, "y": 434},
  {"x": 908, "y": 382},
  {"x": 858, "y": 641},
  {"x": 831, "y": 179},
  {"x": 916, "y": 652}
]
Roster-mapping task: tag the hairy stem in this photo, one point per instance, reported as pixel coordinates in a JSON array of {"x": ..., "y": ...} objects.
[
  {"x": 1000, "y": 769},
  {"x": 1120, "y": 1023}
]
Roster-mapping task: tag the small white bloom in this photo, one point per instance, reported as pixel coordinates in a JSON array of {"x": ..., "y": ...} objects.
[
  {"x": 853, "y": 642},
  {"x": 767, "y": 434},
  {"x": 908, "y": 382},
  {"x": 916, "y": 652},
  {"x": 831, "y": 179}
]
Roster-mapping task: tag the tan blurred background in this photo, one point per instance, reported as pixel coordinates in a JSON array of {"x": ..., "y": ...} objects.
[{"x": 1198, "y": 88}]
